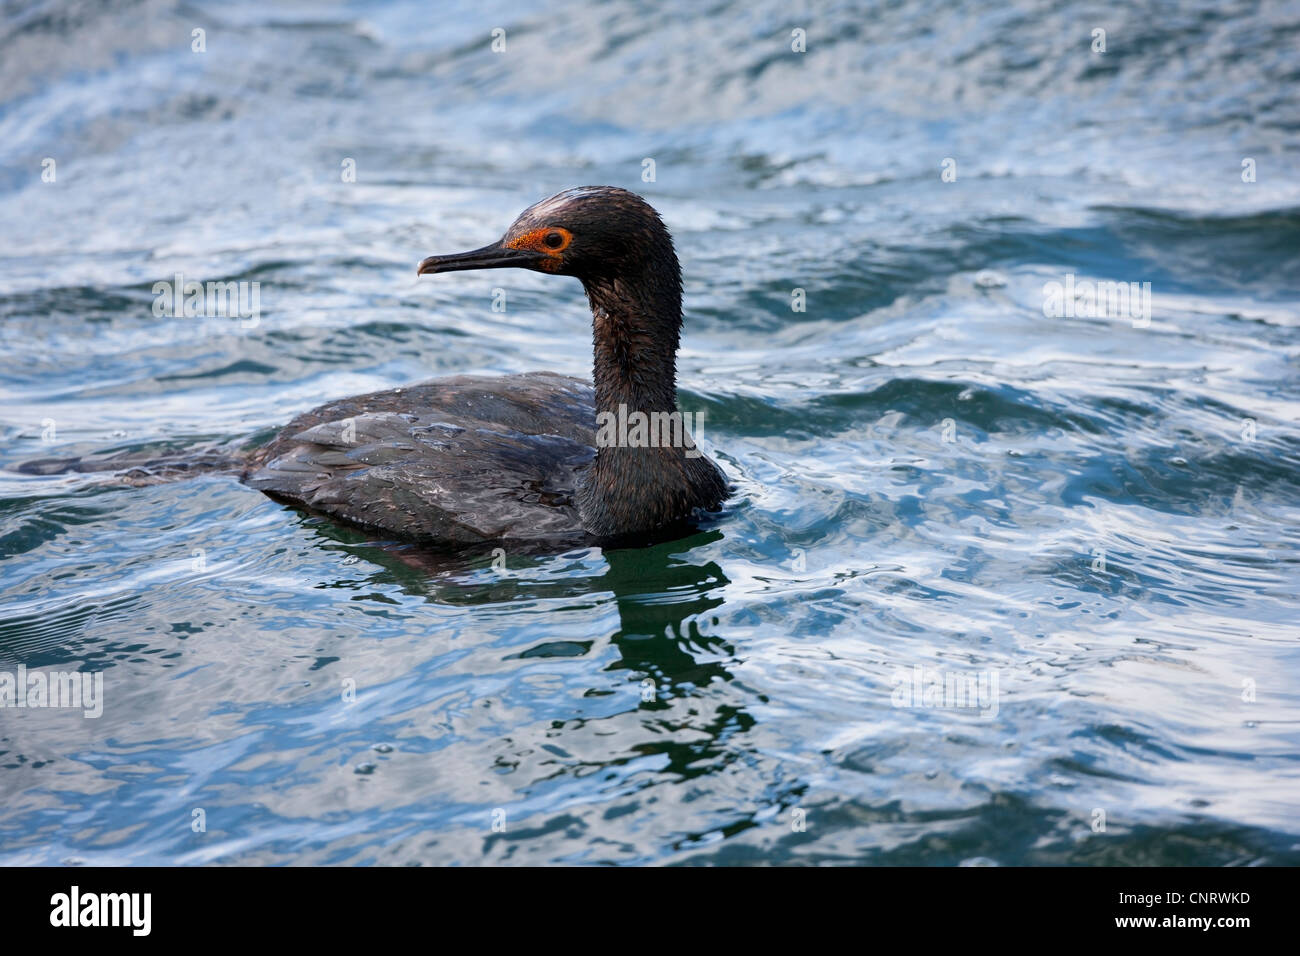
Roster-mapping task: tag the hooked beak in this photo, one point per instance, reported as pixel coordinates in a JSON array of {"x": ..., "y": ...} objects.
[{"x": 495, "y": 256}]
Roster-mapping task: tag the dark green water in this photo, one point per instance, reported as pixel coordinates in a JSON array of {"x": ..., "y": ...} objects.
[{"x": 1101, "y": 514}]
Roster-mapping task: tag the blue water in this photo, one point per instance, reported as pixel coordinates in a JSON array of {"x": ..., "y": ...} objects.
[{"x": 1100, "y": 513}]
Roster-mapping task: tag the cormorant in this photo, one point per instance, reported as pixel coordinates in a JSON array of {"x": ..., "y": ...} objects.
[{"x": 472, "y": 459}]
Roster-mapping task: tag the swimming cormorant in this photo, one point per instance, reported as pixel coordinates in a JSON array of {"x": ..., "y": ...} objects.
[{"x": 472, "y": 459}]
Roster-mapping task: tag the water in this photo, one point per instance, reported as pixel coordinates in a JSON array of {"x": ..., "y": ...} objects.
[{"x": 1100, "y": 514}]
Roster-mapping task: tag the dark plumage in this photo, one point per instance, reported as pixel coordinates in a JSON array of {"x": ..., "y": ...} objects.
[{"x": 471, "y": 459}]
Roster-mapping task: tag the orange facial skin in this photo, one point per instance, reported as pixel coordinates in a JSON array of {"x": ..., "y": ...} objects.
[{"x": 535, "y": 241}]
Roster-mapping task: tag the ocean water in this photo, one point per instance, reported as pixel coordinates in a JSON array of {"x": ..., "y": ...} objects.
[{"x": 1088, "y": 517}]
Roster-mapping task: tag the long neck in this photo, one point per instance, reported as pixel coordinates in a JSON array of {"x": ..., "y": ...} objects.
[
  {"x": 634, "y": 487},
  {"x": 636, "y": 328}
]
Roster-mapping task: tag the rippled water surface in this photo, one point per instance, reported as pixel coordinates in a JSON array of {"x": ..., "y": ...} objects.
[{"x": 1097, "y": 513}]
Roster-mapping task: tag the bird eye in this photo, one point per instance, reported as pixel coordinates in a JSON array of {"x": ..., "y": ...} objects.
[{"x": 554, "y": 240}]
